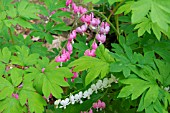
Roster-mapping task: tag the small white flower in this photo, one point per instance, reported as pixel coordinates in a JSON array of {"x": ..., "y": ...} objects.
[
  {"x": 167, "y": 89},
  {"x": 85, "y": 94},
  {"x": 94, "y": 88},
  {"x": 105, "y": 83},
  {"x": 113, "y": 79},
  {"x": 78, "y": 97},
  {"x": 64, "y": 103},
  {"x": 99, "y": 84},
  {"x": 56, "y": 103},
  {"x": 72, "y": 100},
  {"x": 90, "y": 91}
]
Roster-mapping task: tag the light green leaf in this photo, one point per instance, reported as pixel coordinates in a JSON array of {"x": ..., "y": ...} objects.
[
  {"x": 5, "y": 55},
  {"x": 36, "y": 102},
  {"x": 16, "y": 76},
  {"x": 126, "y": 8},
  {"x": 27, "y": 10},
  {"x": 103, "y": 54},
  {"x": 94, "y": 66},
  {"x": 61, "y": 27},
  {"x": 140, "y": 9},
  {"x": 164, "y": 72},
  {"x": 11, "y": 104},
  {"x": 113, "y": 1},
  {"x": 6, "y": 89}
]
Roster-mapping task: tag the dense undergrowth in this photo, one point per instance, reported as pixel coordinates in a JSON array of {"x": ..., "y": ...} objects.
[{"x": 115, "y": 56}]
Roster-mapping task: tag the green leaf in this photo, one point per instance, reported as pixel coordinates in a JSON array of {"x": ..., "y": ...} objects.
[
  {"x": 49, "y": 38},
  {"x": 103, "y": 54},
  {"x": 160, "y": 13},
  {"x": 5, "y": 55},
  {"x": 151, "y": 95},
  {"x": 113, "y": 1},
  {"x": 156, "y": 30},
  {"x": 6, "y": 89},
  {"x": 132, "y": 88},
  {"x": 27, "y": 10},
  {"x": 2, "y": 69},
  {"x": 22, "y": 23},
  {"x": 95, "y": 67},
  {"x": 23, "y": 58},
  {"x": 61, "y": 27},
  {"x": 144, "y": 26},
  {"x": 164, "y": 71},
  {"x": 50, "y": 80},
  {"x": 16, "y": 76},
  {"x": 140, "y": 9},
  {"x": 126, "y": 8},
  {"x": 36, "y": 102},
  {"x": 11, "y": 104},
  {"x": 12, "y": 12}
]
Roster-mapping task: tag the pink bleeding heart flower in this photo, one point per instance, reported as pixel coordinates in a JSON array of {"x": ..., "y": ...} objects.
[
  {"x": 72, "y": 35},
  {"x": 94, "y": 45},
  {"x": 104, "y": 28},
  {"x": 66, "y": 53},
  {"x": 68, "y": 2},
  {"x": 50, "y": 96},
  {"x": 103, "y": 105},
  {"x": 81, "y": 29},
  {"x": 65, "y": 79},
  {"x": 15, "y": 95},
  {"x": 65, "y": 9},
  {"x": 95, "y": 106},
  {"x": 75, "y": 75},
  {"x": 87, "y": 18},
  {"x": 82, "y": 10},
  {"x": 95, "y": 22},
  {"x": 73, "y": 6},
  {"x": 42, "y": 70},
  {"x": 101, "y": 38},
  {"x": 90, "y": 111},
  {"x": 69, "y": 47},
  {"x": 62, "y": 58},
  {"x": 53, "y": 12},
  {"x": 89, "y": 52}
]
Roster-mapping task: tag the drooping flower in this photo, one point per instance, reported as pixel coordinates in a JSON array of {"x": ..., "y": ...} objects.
[
  {"x": 104, "y": 28},
  {"x": 81, "y": 29},
  {"x": 89, "y": 52},
  {"x": 72, "y": 35},
  {"x": 101, "y": 38},
  {"x": 69, "y": 47},
  {"x": 64, "y": 103},
  {"x": 68, "y": 2},
  {"x": 94, "y": 22},
  {"x": 15, "y": 95},
  {"x": 57, "y": 102},
  {"x": 94, "y": 45},
  {"x": 72, "y": 99}
]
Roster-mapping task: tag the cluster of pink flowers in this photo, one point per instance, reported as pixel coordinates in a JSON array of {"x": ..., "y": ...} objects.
[
  {"x": 15, "y": 95},
  {"x": 89, "y": 21},
  {"x": 97, "y": 105}
]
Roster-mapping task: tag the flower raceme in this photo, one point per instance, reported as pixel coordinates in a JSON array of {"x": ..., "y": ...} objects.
[
  {"x": 89, "y": 21},
  {"x": 79, "y": 97}
]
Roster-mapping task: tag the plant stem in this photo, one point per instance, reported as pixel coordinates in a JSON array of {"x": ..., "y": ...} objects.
[
  {"x": 11, "y": 35},
  {"x": 115, "y": 9}
]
